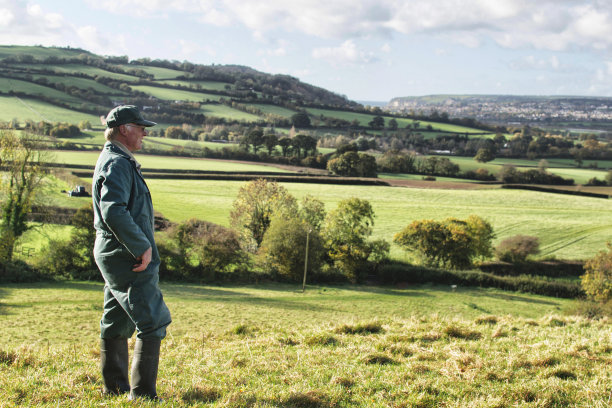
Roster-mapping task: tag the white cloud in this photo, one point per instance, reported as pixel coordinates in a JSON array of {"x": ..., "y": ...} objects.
[
  {"x": 28, "y": 24},
  {"x": 345, "y": 54},
  {"x": 532, "y": 62},
  {"x": 545, "y": 24}
]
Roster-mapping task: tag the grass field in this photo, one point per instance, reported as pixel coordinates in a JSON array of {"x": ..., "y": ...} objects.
[
  {"x": 151, "y": 162},
  {"x": 272, "y": 346},
  {"x": 212, "y": 85},
  {"x": 176, "y": 94},
  {"x": 364, "y": 119},
  {"x": 85, "y": 69},
  {"x": 24, "y": 108},
  {"x": 569, "y": 227},
  {"x": 224, "y": 111},
  {"x": 15, "y": 85},
  {"x": 275, "y": 110},
  {"x": 82, "y": 83},
  {"x": 158, "y": 73}
]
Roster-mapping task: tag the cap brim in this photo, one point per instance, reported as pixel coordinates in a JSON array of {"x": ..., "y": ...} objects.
[{"x": 146, "y": 123}]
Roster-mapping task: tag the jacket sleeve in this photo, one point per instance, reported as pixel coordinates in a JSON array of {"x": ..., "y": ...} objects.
[{"x": 115, "y": 190}]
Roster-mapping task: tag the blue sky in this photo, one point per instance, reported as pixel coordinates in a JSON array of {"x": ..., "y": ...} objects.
[{"x": 368, "y": 50}]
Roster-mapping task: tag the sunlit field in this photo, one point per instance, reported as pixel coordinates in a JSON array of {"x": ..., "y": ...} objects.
[{"x": 273, "y": 346}]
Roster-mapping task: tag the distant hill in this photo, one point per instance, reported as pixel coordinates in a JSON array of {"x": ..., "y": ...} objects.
[{"x": 69, "y": 85}]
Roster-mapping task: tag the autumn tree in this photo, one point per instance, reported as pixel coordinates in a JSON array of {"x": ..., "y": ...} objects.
[
  {"x": 252, "y": 211},
  {"x": 22, "y": 161},
  {"x": 450, "y": 243},
  {"x": 597, "y": 280},
  {"x": 346, "y": 231}
]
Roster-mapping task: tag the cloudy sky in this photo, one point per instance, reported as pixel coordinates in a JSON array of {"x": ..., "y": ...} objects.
[{"x": 368, "y": 50}]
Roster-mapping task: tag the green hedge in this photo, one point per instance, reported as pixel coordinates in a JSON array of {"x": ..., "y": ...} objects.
[{"x": 396, "y": 273}]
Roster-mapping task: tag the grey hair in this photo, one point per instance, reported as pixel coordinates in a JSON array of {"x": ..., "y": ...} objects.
[{"x": 111, "y": 133}]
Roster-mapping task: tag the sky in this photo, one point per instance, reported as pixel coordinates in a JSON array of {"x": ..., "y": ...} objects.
[{"x": 367, "y": 50}]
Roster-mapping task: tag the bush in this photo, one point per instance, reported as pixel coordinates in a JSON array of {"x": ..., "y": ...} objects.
[
  {"x": 201, "y": 250},
  {"x": 19, "y": 272},
  {"x": 597, "y": 281},
  {"x": 283, "y": 248},
  {"x": 450, "y": 243},
  {"x": 517, "y": 248}
]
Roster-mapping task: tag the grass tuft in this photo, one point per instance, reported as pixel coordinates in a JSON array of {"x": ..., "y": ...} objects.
[
  {"x": 321, "y": 339},
  {"x": 563, "y": 374},
  {"x": 360, "y": 328},
  {"x": 310, "y": 399},
  {"x": 379, "y": 358},
  {"x": 197, "y": 394},
  {"x": 487, "y": 320},
  {"x": 344, "y": 382},
  {"x": 243, "y": 330},
  {"x": 456, "y": 332}
]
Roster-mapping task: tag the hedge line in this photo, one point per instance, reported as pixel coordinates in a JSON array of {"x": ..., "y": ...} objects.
[
  {"x": 551, "y": 269},
  {"x": 403, "y": 273},
  {"x": 554, "y": 190}
]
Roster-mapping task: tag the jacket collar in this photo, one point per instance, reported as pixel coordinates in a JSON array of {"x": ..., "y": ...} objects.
[{"x": 118, "y": 147}]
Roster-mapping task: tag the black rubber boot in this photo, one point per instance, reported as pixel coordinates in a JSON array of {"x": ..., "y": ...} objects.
[
  {"x": 144, "y": 368},
  {"x": 114, "y": 363}
]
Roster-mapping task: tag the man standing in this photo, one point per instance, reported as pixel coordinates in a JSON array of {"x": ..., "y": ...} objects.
[{"x": 127, "y": 257}]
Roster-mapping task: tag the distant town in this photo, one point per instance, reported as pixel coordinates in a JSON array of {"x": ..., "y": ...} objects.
[{"x": 594, "y": 113}]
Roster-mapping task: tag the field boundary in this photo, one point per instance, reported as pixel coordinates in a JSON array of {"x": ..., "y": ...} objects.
[{"x": 554, "y": 190}]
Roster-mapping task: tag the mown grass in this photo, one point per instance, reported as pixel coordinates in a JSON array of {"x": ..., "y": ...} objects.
[
  {"x": 169, "y": 94},
  {"x": 272, "y": 346},
  {"x": 151, "y": 162},
  {"x": 26, "y": 108},
  {"x": 227, "y": 112}
]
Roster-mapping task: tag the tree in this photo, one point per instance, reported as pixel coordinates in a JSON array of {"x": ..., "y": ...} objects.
[
  {"x": 270, "y": 141},
  {"x": 84, "y": 125},
  {"x": 377, "y": 122},
  {"x": 254, "y": 138},
  {"x": 484, "y": 155},
  {"x": 283, "y": 248},
  {"x": 256, "y": 203},
  {"x": 353, "y": 164},
  {"x": 300, "y": 120},
  {"x": 597, "y": 280},
  {"x": 345, "y": 232},
  {"x": 22, "y": 160},
  {"x": 393, "y": 124},
  {"x": 292, "y": 235},
  {"x": 451, "y": 243}
]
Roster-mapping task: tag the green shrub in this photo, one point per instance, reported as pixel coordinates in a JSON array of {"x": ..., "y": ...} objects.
[
  {"x": 16, "y": 271},
  {"x": 451, "y": 243},
  {"x": 517, "y": 248},
  {"x": 597, "y": 281}
]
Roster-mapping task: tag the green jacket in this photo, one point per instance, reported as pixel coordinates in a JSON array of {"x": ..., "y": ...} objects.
[{"x": 123, "y": 217}]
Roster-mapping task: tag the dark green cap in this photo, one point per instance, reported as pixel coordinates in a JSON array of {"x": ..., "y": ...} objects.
[{"x": 124, "y": 114}]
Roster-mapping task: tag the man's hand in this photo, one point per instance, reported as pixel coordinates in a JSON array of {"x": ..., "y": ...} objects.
[{"x": 143, "y": 260}]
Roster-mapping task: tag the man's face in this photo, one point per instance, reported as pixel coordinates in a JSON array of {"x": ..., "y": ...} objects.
[{"x": 133, "y": 135}]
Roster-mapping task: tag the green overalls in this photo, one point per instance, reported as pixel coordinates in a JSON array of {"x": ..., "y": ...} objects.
[{"x": 124, "y": 223}]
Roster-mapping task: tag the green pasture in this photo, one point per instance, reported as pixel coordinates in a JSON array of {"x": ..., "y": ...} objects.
[
  {"x": 165, "y": 143},
  {"x": 82, "y": 83},
  {"x": 559, "y": 167},
  {"x": 273, "y": 346},
  {"x": 159, "y": 73},
  {"x": 25, "y": 108},
  {"x": 40, "y": 52},
  {"x": 211, "y": 85},
  {"x": 224, "y": 111},
  {"x": 81, "y": 68},
  {"x": 30, "y": 88},
  {"x": 364, "y": 119},
  {"x": 569, "y": 227},
  {"x": 152, "y": 162},
  {"x": 175, "y": 94},
  {"x": 274, "y": 110}
]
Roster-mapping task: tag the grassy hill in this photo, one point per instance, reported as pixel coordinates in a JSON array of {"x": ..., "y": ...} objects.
[{"x": 53, "y": 79}]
